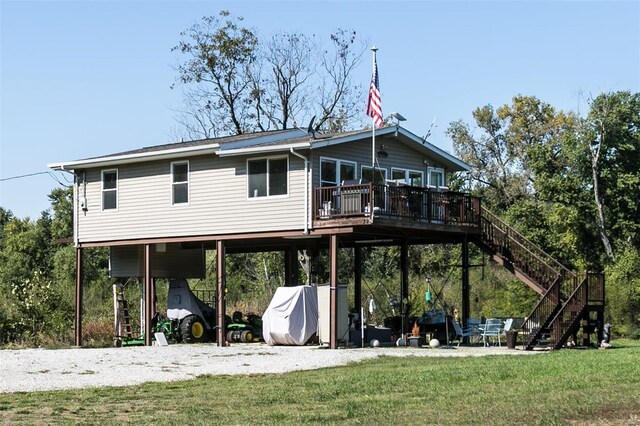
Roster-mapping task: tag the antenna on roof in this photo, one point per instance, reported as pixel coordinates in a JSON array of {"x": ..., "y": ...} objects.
[
  {"x": 310, "y": 130},
  {"x": 433, "y": 124}
]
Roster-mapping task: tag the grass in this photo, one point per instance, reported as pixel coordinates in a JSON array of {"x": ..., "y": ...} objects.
[{"x": 564, "y": 387}]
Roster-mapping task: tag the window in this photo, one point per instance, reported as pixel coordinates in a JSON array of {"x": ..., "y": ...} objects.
[
  {"x": 180, "y": 182},
  {"x": 436, "y": 177},
  {"x": 410, "y": 177},
  {"x": 109, "y": 189},
  {"x": 380, "y": 178},
  {"x": 333, "y": 172},
  {"x": 268, "y": 177}
]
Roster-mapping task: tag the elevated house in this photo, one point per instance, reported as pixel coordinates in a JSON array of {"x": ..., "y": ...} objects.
[{"x": 158, "y": 207}]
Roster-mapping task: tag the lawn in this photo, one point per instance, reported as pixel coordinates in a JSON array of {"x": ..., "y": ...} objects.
[{"x": 563, "y": 387}]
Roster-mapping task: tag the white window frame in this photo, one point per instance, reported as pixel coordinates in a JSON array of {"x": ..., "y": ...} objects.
[
  {"x": 102, "y": 190},
  {"x": 406, "y": 173},
  {"x": 268, "y": 196},
  {"x": 438, "y": 170},
  {"x": 338, "y": 162},
  {"x": 188, "y": 182}
]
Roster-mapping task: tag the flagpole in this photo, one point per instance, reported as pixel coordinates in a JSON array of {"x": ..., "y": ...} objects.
[{"x": 373, "y": 132}]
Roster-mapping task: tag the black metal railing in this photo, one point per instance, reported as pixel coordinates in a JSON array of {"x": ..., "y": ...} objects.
[{"x": 405, "y": 202}]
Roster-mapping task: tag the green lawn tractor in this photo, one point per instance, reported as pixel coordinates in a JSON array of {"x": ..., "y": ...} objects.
[{"x": 244, "y": 330}]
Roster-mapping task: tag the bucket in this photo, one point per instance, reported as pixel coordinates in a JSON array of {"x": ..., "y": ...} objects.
[{"x": 512, "y": 337}]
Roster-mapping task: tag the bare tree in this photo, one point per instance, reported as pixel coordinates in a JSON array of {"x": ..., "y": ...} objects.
[{"x": 237, "y": 84}]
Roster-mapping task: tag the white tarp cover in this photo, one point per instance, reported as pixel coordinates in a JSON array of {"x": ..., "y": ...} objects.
[{"x": 292, "y": 316}]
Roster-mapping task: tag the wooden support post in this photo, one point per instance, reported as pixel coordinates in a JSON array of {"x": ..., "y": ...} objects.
[
  {"x": 465, "y": 283},
  {"x": 357, "y": 279},
  {"x": 586, "y": 332},
  {"x": 333, "y": 291},
  {"x": 222, "y": 289},
  {"x": 79, "y": 279},
  {"x": 291, "y": 270},
  {"x": 148, "y": 295},
  {"x": 404, "y": 284}
]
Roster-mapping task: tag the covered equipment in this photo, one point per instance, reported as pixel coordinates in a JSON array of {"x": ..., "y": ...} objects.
[{"x": 292, "y": 316}]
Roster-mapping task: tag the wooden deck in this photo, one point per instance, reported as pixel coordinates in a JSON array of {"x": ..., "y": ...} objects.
[{"x": 401, "y": 206}]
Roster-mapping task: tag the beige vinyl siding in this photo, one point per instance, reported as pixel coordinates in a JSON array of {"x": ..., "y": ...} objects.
[
  {"x": 218, "y": 202},
  {"x": 400, "y": 156}
]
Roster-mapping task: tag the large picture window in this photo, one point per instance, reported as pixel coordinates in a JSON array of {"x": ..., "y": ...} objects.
[
  {"x": 109, "y": 189},
  {"x": 268, "y": 177},
  {"x": 333, "y": 172},
  {"x": 180, "y": 182}
]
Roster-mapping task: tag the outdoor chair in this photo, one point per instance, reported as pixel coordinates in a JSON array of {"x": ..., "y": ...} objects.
[
  {"x": 461, "y": 334},
  {"x": 492, "y": 329}
]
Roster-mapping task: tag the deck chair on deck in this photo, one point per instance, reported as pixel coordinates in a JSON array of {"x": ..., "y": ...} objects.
[
  {"x": 492, "y": 329},
  {"x": 461, "y": 334}
]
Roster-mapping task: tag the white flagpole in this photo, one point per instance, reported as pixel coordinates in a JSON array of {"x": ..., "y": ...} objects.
[{"x": 373, "y": 132}]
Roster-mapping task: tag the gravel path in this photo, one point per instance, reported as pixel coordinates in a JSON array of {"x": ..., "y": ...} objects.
[{"x": 41, "y": 369}]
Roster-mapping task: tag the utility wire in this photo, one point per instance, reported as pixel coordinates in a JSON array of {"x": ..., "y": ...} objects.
[{"x": 53, "y": 176}]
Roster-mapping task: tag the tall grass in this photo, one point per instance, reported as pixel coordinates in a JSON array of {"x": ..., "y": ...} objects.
[{"x": 564, "y": 387}]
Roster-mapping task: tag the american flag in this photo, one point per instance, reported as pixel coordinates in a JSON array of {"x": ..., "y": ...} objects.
[{"x": 374, "y": 106}]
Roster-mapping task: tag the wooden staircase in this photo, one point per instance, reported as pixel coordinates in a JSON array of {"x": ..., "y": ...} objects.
[{"x": 567, "y": 298}]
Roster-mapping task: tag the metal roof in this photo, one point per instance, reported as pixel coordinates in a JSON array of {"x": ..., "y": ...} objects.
[{"x": 264, "y": 142}]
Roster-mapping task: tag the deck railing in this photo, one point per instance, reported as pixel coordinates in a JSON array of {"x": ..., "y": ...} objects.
[{"x": 406, "y": 202}]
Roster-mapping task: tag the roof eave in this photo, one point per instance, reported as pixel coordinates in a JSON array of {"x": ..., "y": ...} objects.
[
  {"x": 116, "y": 160},
  {"x": 262, "y": 149}
]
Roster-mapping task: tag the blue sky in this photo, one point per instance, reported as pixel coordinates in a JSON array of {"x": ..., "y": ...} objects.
[{"x": 86, "y": 78}]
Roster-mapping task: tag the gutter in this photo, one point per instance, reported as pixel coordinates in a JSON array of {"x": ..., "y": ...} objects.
[
  {"x": 262, "y": 149},
  {"x": 134, "y": 158},
  {"x": 306, "y": 189}
]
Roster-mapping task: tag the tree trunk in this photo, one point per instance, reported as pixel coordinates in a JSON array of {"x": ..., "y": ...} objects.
[{"x": 595, "y": 155}]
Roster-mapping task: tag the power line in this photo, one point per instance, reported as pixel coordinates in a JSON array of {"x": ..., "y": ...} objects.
[
  {"x": 54, "y": 177},
  {"x": 23, "y": 176}
]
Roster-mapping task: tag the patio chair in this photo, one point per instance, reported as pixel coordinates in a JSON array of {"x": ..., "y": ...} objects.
[
  {"x": 492, "y": 329},
  {"x": 461, "y": 334}
]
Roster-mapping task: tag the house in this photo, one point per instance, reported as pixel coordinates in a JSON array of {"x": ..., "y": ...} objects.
[{"x": 158, "y": 207}]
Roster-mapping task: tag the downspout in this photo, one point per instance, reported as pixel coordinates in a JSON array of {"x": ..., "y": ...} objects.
[{"x": 306, "y": 190}]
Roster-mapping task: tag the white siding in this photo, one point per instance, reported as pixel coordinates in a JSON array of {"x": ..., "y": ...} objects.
[{"x": 218, "y": 202}]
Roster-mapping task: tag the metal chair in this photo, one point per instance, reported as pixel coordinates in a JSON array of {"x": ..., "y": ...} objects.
[
  {"x": 461, "y": 334},
  {"x": 492, "y": 329}
]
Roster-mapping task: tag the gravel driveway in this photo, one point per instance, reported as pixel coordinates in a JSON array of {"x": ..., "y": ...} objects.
[{"x": 42, "y": 369}]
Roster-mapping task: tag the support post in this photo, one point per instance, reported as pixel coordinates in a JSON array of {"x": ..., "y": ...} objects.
[
  {"x": 222, "y": 289},
  {"x": 148, "y": 295},
  {"x": 404, "y": 284},
  {"x": 291, "y": 270},
  {"x": 333, "y": 291},
  {"x": 357, "y": 279},
  {"x": 465, "y": 283},
  {"x": 79, "y": 279}
]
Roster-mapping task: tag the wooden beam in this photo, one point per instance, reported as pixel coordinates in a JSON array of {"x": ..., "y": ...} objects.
[
  {"x": 333, "y": 291},
  {"x": 222, "y": 289},
  {"x": 291, "y": 270},
  {"x": 79, "y": 279},
  {"x": 404, "y": 283},
  {"x": 148, "y": 295},
  {"x": 357, "y": 279},
  {"x": 465, "y": 284}
]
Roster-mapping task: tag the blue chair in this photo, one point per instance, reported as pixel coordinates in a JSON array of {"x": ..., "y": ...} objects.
[{"x": 461, "y": 334}]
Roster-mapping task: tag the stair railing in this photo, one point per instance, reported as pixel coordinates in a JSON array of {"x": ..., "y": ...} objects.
[
  {"x": 538, "y": 321},
  {"x": 514, "y": 236}
]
